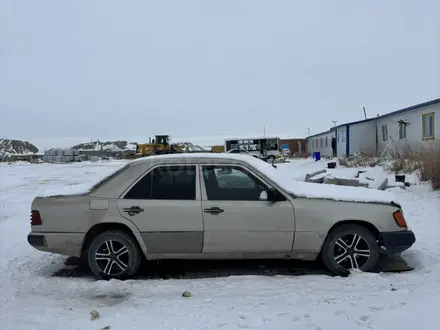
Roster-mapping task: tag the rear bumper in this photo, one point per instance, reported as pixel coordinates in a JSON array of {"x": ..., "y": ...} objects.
[
  {"x": 37, "y": 241},
  {"x": 397, "y": 241},
  {"x": 69, "y": 244}
]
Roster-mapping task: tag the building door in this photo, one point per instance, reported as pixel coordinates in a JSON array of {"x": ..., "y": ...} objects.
[{"x": 341, "y": 142}]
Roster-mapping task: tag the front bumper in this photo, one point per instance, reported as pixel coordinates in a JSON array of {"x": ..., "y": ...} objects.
[{"x": 396, "y": 242}]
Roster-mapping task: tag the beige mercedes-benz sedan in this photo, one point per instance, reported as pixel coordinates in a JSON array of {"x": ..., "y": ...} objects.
[{"x": 215, "y": 206}]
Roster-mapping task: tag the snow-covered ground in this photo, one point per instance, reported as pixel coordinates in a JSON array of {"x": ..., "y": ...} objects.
[{"x": 32, "y": 298}]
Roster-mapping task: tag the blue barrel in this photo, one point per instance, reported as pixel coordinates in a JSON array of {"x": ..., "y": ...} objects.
[{"x": 317, "y": 156}]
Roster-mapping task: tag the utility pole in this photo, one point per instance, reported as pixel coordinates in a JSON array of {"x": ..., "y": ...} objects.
[
  {"x": 308, "y": 131},
  {"x": 264, "y": 131},
  {"x": 334, "y": 123},
  {"x": 365, "y": 113}
]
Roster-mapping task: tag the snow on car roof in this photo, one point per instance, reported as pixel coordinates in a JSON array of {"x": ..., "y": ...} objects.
[
  {"x": 193, "y": 155},
  {"x": 281, "y": 178}
]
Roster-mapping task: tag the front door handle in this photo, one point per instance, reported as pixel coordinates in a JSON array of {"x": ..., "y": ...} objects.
[
  {"x": 133, "y": 210},
  {"x": 214, "y": 210}
]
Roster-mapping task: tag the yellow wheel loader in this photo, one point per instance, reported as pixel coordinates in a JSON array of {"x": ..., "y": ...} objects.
[{"x": 158, "y": 146}]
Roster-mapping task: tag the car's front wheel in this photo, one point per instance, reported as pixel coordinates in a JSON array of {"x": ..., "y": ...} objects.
[
  {"x": 348, "y": 247},
  {"x": 113, "y": 254}
]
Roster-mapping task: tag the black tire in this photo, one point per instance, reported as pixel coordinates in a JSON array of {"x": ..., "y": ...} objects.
[
  {"x": 124, "y": 253},
  {"x": 338, "y": 247}
]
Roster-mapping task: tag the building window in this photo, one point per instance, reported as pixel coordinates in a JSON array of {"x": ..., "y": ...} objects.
[
  {"x": 326, "y": 141},
  {"x": 321, "y": 143},
  {"x": 402, "y": 131},
  {"x": 384, "y": 133},
  {"x": 428, "y": 126}
]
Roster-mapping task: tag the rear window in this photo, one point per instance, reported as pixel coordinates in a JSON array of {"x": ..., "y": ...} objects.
[{"x": 108, "y": 178}]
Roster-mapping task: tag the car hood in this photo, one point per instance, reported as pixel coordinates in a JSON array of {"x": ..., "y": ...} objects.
[
  {"x": 339, "y": 193},
  {"x": 323, "y": 191}
]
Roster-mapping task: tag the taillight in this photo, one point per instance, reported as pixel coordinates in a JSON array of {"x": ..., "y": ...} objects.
[
  {"x": 36, "y": 218},
  {"x": 400, "y": 220}
]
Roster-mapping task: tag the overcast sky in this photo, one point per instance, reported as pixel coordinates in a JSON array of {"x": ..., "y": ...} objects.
[{"x": 75, "y": 70}]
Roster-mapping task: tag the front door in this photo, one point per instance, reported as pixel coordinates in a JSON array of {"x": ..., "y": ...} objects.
[
  {"x": 237, "y": 220},
  {"x": 165, "y": 205}
]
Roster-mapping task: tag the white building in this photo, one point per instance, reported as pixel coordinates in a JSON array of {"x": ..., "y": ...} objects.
[
  {"x": 410, "y": 126},
  {"x": 423, "y": 126},
  {"x": 321, "y": 143}
]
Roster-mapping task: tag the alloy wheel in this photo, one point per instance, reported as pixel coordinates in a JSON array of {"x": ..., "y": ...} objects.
[
  {"x": 112, "y": 257},
  {"x": 351, "y": 251}
]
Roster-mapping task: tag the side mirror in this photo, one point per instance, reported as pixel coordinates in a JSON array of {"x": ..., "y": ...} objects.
[
  {"x": 271, "y": 195},
  {"x": 264, "y": 196}
]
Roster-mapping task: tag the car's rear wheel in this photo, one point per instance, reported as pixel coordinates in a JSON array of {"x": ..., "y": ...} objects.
[
  {"x": 113, "y": 254},
  {"x": 348, "y": 247}
]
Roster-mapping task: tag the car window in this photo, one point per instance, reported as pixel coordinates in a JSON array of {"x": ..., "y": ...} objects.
[
  {"x": 110, "y": 177},
  {"x": 231, "y": 183},
  {"x": 166, "y": 182},
  {"x": 232, "y": 178}
]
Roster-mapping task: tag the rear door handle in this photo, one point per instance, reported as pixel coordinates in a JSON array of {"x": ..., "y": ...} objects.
[
  {"x": 133, "y": 210},
  {"x": 214, "y": 210}
]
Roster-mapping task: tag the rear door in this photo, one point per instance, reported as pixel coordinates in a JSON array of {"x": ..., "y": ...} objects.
[
  {"x": 165, "y": 204},
  {"x": 236, "y": 220}
]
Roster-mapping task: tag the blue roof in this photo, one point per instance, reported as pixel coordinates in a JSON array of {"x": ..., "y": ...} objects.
[
  {"x": 414, "y": 107},
  {"x": 322, "y": 133}
]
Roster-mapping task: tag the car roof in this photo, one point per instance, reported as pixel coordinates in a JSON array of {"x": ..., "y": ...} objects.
[{"x": 187, "y": 156}]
